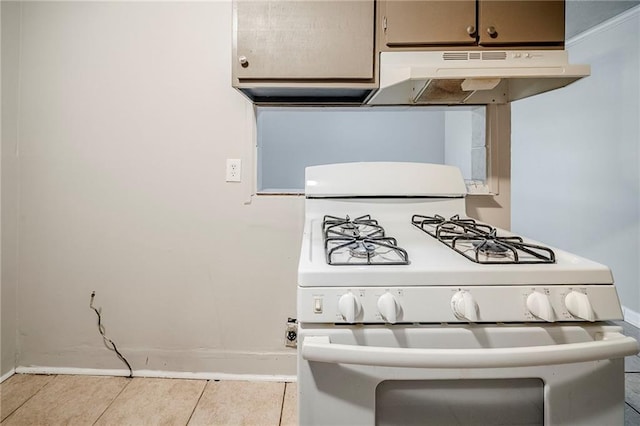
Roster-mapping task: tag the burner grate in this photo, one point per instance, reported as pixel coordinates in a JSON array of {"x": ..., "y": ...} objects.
[
  {"x": 360, "y": 241},
  {"x": 480, "y": 242}
]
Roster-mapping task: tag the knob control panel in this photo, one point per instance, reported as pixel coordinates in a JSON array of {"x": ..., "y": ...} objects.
[
  {"x": 444, "y": 304},
  {"x": 579, "y": 306},
  {"x": 464, "y": 306},
  {"x": 388, "y": 307},
  {"x": 349, "y": 307},
  {"x": 539, "y": 305}
]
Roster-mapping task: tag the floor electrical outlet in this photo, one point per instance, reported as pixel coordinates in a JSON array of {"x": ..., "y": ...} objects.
[{"x": 234, "y": 169}]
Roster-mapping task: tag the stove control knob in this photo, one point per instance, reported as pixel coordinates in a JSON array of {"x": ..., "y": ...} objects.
[
  {"x": 540, "y": 306},
  {"x": 349, "y": 307},
  {"x": 464, "y": 306},
  {"x": 579, "y": 306},
  {"x": 388, "y": 307}
]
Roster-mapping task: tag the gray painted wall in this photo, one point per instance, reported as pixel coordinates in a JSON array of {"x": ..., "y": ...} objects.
[
  {"x": 291, "y": 139},
  {"x": 575, "y": 157},
  {"x": 10, "y": 12},
  {"x": 584, "y": 14},
  {"x": 127, "y": 116},
  {"x": 458, "y": 143}
]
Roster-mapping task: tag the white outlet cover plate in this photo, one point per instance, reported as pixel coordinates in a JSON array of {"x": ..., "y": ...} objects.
[{"x": 234, "y": 170}]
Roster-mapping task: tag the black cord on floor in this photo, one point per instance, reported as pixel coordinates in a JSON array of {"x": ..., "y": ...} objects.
[{"x": 108, "y": 342}]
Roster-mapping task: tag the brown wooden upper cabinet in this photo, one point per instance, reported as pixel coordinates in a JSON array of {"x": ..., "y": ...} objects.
[
  {"x": 284, "y": 40},
  {"x": 424, "y": 23}
]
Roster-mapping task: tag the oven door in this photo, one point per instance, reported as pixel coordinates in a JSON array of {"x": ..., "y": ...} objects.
[{"x": 462, "y": 375}]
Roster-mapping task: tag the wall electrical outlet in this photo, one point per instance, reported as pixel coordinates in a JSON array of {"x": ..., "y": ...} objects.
[
  {"x": 291, "y": 333},
  {"x": 234, "y": 169}
]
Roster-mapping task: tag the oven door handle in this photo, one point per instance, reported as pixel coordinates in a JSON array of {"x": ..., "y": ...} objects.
[{"x": 611, "y": 345}]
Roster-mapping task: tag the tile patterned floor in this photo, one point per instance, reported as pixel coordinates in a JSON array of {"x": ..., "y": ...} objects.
[
  {"x": 632, "y": 380},
  {"x": 89, "y": 400},
  {"x": 27, "y": 399}
]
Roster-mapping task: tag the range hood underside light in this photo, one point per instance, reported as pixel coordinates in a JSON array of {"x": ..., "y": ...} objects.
[
  {"x": 451, "y": 91},
  {"x": 461, "y": 91}
]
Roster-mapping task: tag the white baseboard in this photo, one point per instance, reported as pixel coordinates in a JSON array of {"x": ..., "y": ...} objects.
[
  {"x": 631, "y": 316},
  {"x": 155, "y": 374},
  {"x": 8, "y": 374}
]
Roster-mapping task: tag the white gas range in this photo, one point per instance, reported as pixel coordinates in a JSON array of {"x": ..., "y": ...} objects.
[{"x": 411, "y": 313}]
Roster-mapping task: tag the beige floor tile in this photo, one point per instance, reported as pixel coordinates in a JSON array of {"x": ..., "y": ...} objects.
[
  {"x": 290, "y": 406},
  {"x": 154, "y": 402},
  {"x": 632, "y": 390},
  {"x": 17, "y": 389},
  {"x": 631, "y": 416},
  {"x": 628, "y": 329},
  {"x": 632, "y": 364},
  {"x": 239, "y": 403},
  {"x": 68, "y": 400}
]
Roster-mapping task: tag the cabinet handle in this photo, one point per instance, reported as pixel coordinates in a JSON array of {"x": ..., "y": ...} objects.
[
  {"x": 244, "y": 62},
  {"x": 492, "y": 32},
  {"x": 471, "y": 30}
]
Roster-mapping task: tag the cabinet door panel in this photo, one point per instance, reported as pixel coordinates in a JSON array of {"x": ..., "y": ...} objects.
[
  {"x": 521, "y": 22},
  {"x": 302, "y": 39},
  {"x": 429, "y": 22}
]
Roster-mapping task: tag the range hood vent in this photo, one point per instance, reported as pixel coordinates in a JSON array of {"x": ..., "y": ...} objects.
[
  {"x": 471, "y": 77},
  {"x": 455, "y": 56}
]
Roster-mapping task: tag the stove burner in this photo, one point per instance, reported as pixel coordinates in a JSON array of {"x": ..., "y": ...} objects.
[
  {"x": 362, "y": 249},
  {"x": 491, "y": 248},
  {"x": 349, "y": 229},
  {"x": 480, "y": 243},
  {"x": 360, "y": 241},
  {"x": 360, "y": 227},
  {"x": 366, "y": 251}
]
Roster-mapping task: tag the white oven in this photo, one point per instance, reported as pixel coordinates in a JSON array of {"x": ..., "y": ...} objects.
[
  {"x": 411, "y": 313},
  {"x": 462, "y": 375}
]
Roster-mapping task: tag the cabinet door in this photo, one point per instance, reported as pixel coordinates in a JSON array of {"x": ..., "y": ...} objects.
[
  {"x": 429, "y": 22},
  {"x": 521, "y": 22},
  {"x": 304, "y": 40}
]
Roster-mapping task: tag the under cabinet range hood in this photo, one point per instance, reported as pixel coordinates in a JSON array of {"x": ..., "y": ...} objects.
[{"x": 471, "y": 77}]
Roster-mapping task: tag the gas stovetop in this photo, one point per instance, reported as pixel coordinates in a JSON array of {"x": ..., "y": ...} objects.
[
  {"x": 393, "y": 250},
  {"x": 363, "y": 241},
  {"x": 393, "y": 237}
]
